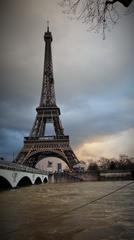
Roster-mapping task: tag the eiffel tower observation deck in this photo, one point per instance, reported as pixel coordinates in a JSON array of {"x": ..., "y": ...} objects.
[{"x": 39, "y": 145}]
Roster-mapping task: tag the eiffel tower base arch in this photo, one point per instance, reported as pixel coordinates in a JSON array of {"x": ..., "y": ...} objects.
[{"x": 35, "y": 150}]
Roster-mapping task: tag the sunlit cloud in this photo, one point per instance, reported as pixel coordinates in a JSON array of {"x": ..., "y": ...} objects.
[{"x": 110, "y": 146}]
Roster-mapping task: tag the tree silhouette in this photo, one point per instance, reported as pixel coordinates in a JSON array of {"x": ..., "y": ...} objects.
[
  {"x": 97, "y": 14},
  {"x": 123, "y": 163},
  {"x": 93, "y": 166}
]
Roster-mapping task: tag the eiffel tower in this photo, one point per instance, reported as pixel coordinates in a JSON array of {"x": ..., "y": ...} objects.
[{"x": 38, "y": 145}]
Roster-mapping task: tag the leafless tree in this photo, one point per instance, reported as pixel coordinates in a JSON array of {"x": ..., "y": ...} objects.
[
  {"x": 124, "y": 162},
  {"x": 97, "y": 14},
  {"x": 93, "y": 166}
]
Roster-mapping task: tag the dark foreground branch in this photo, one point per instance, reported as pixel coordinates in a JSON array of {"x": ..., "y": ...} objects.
[{"x": 125, "y": 3}]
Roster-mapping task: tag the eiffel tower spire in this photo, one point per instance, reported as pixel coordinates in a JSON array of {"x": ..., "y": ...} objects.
[
  {"x": 38, "y": 145},
  {"x": 48, "y": 92}
]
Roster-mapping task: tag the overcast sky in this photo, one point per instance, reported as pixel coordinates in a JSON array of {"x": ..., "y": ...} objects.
[{"x": 94, "y": 79}]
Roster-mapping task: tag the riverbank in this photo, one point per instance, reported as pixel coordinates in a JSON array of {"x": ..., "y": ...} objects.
[{"x": 91, "y": 176}]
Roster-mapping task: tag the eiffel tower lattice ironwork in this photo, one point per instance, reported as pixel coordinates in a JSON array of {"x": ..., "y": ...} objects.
[{"x": 38, "y": 146}]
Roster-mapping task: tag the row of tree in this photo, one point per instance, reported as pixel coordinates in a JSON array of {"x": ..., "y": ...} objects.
[{"x": 124, "y": 162}]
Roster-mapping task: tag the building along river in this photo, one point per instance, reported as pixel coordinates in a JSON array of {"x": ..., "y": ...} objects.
[{"x": 62, "y": 211}]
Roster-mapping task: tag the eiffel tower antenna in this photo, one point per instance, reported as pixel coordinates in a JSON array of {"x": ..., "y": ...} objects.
[
  {"x": 47, "y": 26},
  {"x": 38, "y": 144}
]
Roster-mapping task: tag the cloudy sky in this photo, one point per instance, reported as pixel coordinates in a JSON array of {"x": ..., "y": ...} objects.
[{"x": 93, "y": 79}]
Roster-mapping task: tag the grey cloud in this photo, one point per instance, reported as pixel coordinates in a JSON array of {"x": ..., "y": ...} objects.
[
  {"x": 90, "y": 123},
  {"x": 93, "y": 78}
]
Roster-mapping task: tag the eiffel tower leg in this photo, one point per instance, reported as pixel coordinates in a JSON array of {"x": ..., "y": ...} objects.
[
  {"x": 21, "y": 156},
  {"x": 71, "y": 157},
  {"x": 58, "y": 126},
  {"x": 35, "y": 128}
]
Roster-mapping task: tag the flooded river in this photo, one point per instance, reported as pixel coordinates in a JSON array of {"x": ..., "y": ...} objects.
[{"x": 43, "y": 212}]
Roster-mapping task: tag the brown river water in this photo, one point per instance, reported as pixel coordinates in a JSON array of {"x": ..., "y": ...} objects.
[{"x": 43, "y": 212}]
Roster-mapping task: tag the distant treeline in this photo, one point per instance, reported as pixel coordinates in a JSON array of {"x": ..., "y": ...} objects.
[{"x": 124, "y": 162}]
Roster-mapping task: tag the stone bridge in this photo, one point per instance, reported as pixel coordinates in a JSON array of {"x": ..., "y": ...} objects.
[{"x": 13, "y": 175}]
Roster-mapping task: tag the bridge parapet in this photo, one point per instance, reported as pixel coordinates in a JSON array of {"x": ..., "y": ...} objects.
[
  {"x": 19, "y": 167},
  {"x": 14, "y": 174}
]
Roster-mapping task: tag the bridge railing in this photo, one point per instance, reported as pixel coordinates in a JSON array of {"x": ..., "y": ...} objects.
[{"x": 18, "y": 167}]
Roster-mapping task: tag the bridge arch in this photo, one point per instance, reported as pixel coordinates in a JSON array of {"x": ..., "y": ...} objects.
[
  {"x": 45, "y": 180},
  {"x": 37, "y": 156},
  {"x": 38, "y": 180},
  {"x": 4, "y": 183},
  {"x": 24, "y": 181}
]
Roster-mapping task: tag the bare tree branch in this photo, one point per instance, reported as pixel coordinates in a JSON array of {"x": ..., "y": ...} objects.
[{"x": 97, "y": 14}]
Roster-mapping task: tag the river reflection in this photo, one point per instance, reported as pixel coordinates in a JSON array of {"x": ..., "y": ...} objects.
[{"x": 36, "y": 212}]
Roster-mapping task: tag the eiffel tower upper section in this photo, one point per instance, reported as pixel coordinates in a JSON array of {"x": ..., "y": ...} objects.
[
  {"x": 47, "y": 110},
  {"x": 48, "y": 92}
]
